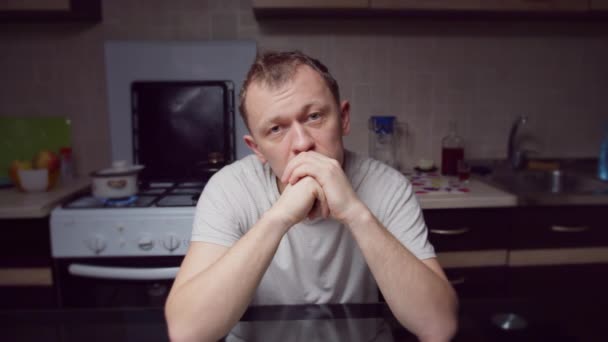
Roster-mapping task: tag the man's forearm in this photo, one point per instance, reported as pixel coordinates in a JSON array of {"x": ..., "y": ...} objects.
[
  {"x": 421, "y": 300},
  {"x": 208, "y": 305}
]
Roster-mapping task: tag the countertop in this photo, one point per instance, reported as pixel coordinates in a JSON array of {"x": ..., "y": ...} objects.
[
  {"x": 17, "y": 204},
  {"x": 478, "y": 195},
  {"x": 564, "y": 319}
]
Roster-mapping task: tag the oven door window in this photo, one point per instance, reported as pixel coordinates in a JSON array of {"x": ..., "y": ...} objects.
[
  {"x": 115, "y": 282},
  {"x": 182, "y": 130}
]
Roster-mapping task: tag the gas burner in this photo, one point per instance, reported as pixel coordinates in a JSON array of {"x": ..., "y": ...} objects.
[{"x": 120, "y": 202}]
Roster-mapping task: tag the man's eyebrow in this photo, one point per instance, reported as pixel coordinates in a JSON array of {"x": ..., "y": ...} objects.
[{"x": 278, "y": 117}]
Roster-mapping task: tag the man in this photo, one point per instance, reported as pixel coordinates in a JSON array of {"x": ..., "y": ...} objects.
[{"x": 305, "y": 221}]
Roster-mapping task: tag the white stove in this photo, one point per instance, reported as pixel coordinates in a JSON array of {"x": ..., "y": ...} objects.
[
  {"x": 155, "y": 222},
  {"x": 122, "y": 253}
]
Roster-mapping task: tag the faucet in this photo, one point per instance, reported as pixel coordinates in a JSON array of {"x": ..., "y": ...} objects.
[{"x": 515, "y": 157}]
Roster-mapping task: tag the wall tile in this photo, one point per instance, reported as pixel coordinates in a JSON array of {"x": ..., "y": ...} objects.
[{"x": 426, "y": 72}]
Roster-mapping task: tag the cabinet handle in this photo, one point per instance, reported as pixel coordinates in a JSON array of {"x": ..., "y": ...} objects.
[
  {"x": 564, "y": 229},
  {"x": 459, "y": 231},
  {"x": 457, "y": 281}
]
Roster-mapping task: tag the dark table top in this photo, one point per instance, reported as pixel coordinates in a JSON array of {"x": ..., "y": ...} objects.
[{"x": 566, "y": 319}]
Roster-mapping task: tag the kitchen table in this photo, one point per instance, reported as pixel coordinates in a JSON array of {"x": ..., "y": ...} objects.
[{"x": 562, "y": 319}]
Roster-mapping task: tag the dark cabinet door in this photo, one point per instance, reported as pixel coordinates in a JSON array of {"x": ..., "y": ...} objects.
[
  {"x": 479, "y": 282},
  {"x": 561, "y": 282},
  {"x": 468, "y": 229},
  {"x": 559, "y": 227}
]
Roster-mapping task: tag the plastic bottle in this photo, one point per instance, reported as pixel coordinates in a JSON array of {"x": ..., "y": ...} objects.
[
  {"x": 602, "y": 165},
  {"x": 67, "y": 164},
  {"x": 452, "y": 151}
]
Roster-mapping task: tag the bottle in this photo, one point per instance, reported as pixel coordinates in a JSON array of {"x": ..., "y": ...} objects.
[
  {"x": 67, "y": 164},
  {"x": 452, "y": 151},
  {"x": 602, "y": 165},
  {"x": 383, "y": 139}
]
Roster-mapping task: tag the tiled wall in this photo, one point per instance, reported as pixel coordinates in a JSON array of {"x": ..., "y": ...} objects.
[{"x": 427, "y": 72}]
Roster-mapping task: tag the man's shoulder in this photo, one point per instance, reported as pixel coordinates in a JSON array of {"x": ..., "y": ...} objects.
[
  {"x": 246, "y": 173},
  {"x": 247, "y": 166}
]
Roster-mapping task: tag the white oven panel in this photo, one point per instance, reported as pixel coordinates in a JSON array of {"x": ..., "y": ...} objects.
[{"x": 120, "y": 232}]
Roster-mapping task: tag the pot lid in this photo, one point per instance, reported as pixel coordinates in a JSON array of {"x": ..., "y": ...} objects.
[{"x": 119, "y": 168}]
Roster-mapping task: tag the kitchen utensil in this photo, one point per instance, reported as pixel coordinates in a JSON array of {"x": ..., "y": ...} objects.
[
  {"x": 119, "y": 181},
  {"x": 34, "y": 180}
]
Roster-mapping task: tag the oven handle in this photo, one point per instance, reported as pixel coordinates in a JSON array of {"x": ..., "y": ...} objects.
[{"x": 123, "y": 273}]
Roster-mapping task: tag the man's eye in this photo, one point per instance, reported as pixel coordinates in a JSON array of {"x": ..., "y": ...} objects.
[
  {"x": 275, "y": 129},
  {"x": 314, "y": 116}
]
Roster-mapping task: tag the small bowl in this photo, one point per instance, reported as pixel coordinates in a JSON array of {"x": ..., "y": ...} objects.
[{"x": 34, "y": 180}]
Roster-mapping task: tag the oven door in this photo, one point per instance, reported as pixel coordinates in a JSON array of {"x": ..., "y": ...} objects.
[{"x": 115, "y": 282}]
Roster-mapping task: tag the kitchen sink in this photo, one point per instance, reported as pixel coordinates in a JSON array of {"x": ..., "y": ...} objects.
[
  {"x": 550, "y": 187},
  {"x": 558, "y": 181}
]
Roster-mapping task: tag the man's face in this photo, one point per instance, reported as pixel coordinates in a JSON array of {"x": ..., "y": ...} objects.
[{"x": 299, "y": 116}]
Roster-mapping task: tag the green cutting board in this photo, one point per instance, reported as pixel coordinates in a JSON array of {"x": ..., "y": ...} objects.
[{"x": 23, "y": 137}]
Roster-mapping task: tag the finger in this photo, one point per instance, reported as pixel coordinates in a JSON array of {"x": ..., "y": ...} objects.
[
  {"x": 305, "y": 170},
  {"x": 301, "y": 158},
  {"x": 320, "y": 207},
  {"x": 324, "y": 206},
  {"x": 293, "y": 163}
]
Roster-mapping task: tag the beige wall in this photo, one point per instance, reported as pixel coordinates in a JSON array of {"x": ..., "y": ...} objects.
[{"x": 426, "y": 72}]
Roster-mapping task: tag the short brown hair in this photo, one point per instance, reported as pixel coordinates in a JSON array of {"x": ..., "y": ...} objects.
[{"x": 276, "y": 68}]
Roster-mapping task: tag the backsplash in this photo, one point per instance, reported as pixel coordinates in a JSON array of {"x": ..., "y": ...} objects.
[{"x": 426, "y": 72}]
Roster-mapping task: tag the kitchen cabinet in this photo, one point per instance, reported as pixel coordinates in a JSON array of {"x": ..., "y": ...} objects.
[
  {"x": 50, "y": 10},
  {"x": 559, "y": 227},
  {"x": 598, "y": 5},
  {"x": 310, "y": 4},
  {"x": 522, "y": 251},
  {"x": 477, "y": 8},
  {"x": 468, "y": 229},
  {"x": 559, "y": 281},
  {"x": 535, "y": 5},
  {"x": 471, "y": 246},
  {"x": 559, "y": 251},
  {"x": 35, "y": 5},
  {"x": 479, "y": 282},
  {"x": 26, "y": 279},
  {"x": 448, "y": 5}
]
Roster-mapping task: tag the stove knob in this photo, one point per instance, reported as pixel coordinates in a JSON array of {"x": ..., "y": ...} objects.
[
  {"x": 146, "y": 243},
  {"x": 96, "y": 243},
  {"x": 171, "y": 242}
]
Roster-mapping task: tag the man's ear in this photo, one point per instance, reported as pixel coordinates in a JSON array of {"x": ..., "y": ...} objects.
[
  {"x": 345, "y": 117},
  {"x": 254, "y": 147}
]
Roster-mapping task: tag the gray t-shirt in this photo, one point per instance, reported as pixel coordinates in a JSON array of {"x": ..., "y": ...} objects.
[{"x": 317, "y": 261}]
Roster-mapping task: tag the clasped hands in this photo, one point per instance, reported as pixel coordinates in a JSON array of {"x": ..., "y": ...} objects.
[{"x": 316, "y": 186}]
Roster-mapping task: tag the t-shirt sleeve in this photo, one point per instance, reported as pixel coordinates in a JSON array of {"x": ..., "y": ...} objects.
[
  {"x": 216, "y": 219},
  {"x": 403, "y": 218}
]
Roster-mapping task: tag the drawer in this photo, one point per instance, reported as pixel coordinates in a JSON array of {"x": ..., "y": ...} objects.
[
  {"x": 26, "y": 243},
  {"x": 559, "y": 281},
  {"x": 27, "y": 297},
  {"x": 559, "y": 227},
  {"x": 468, "y": 229},
  {"x": 478, "y": 282}
]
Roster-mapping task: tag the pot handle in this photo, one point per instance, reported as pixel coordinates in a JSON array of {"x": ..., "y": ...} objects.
[{"x": 123, "y": 273}]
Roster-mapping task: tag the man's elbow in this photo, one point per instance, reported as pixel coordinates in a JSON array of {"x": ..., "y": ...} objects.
[
  {"x": 179, "y": 332},
  {"x": 445, "y": 327},
  {"x": 181, "y": 329},
  {"x": 442, "y": 332}
]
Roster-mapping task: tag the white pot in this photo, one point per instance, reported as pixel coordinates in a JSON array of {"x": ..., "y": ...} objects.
[{"x": 119, "y": 181}]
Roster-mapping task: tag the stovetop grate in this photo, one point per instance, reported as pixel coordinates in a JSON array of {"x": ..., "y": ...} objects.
[{"x": 151, "y": 194}]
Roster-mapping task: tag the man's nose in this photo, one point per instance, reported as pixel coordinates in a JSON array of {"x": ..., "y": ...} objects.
[{"x": 302, "y": 141}]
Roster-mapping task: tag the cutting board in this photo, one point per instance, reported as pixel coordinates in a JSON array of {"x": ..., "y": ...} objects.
[{"x": 22, "y": 137}]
